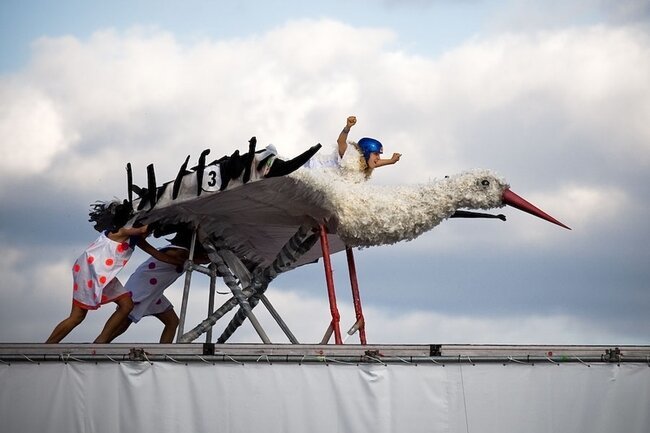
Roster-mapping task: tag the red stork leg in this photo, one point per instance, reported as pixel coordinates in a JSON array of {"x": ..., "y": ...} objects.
[
  {"x": 336, "y": 317},
  {"x": 356, "y": 298}
]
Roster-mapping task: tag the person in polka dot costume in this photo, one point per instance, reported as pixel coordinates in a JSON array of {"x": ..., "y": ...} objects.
[
  {"x": 152, "y": 278},
  {"x": 94, "y": 277}
]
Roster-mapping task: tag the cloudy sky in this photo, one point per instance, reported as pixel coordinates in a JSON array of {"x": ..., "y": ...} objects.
[{"x": 553, "y": 95}]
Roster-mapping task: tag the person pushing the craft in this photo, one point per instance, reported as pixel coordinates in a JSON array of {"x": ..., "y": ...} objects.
[{"x": 95, "y": 271}]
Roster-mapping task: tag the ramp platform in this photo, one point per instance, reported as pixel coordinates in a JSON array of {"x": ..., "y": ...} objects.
[
  {"x": 159, "y": 388},
  {"x": 300, "y": 353}
]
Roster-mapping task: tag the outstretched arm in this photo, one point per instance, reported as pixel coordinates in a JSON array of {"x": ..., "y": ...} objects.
[
  {"x": 375, "y": 161},
  {"x": 167, "y": 257},
  {"x": 124, "y": 233},
  {"x": 343, "y": 136}
]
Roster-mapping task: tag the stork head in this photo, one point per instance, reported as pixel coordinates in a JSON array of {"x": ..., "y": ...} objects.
[{"x": 483, "y": 190}]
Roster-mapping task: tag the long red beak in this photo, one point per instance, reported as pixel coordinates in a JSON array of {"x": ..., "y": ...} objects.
[{"x": 512, "y": 199}]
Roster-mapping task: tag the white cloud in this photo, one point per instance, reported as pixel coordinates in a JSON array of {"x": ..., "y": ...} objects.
[
  {"x": 31, "y": 129},
  {"x": 12, "y": 256},
  {"x": 584, "y": 205},
  {"x": 146, "y": 97},
  {"x": 593, "y": 80}
]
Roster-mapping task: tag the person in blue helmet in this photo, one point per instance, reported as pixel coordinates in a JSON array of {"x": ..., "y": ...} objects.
[
  {"x": 370, "y": 148},
  {"x": 351, "y": 159}
]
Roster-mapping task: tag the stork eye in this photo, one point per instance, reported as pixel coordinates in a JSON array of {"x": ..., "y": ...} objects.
[{"x": 485, "y": 182}]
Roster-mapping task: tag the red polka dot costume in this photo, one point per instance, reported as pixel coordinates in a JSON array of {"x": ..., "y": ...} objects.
[
  {"x": 94, "y": 273},
  {"x": 147, "y": 284}
]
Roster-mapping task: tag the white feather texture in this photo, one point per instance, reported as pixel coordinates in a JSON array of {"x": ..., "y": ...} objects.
[{"x": 371, "y": 215}]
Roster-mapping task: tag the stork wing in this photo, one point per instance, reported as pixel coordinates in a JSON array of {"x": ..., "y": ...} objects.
[{"x": 254, "y": 220}]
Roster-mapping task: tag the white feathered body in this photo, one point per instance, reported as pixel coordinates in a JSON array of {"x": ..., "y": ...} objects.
[{"x": 370, "y": 214}]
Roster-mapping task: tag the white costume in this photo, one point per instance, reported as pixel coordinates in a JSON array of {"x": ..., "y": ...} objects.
[
  {"x": 351, "y": 166},
  {"x": 147, "y": 284},
  {"x": 322, "y": 160},
  {"x": 94, "y": 273}
]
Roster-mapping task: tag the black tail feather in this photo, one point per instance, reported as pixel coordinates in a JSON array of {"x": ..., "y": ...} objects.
[
  {"x": 282, "y": 168},
  {"x": 129, "y": 183},
  {"x": 248, "y": 159},
  {"x": 179, "y": 178},
  {"x": 199, "y": 172},
  {"x": 151, "y": 185}
]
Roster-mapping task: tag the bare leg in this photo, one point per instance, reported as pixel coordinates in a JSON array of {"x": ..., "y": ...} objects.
[
  {"x": 77, "y": 315},
  {"x": 124, "y": 307},
  {"x": 170, "y": 320},
  {"x": 121, "y": 329}
]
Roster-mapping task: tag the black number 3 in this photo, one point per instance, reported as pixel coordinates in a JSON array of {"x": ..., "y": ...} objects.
[{"x": 213, "y": 178}]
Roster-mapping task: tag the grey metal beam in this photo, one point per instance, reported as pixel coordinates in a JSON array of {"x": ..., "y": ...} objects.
[{"x": 357, "y": 353}]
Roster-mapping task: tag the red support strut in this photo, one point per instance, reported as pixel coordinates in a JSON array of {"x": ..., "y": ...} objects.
[
  {"x": 356, "y": 298},
  {"x": 336, "y": 318}
]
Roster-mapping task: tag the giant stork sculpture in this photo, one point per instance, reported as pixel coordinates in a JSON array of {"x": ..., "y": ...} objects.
[{"x": 258, "y": 215}]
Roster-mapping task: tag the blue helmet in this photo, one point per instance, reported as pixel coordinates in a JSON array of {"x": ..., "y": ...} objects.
[{"x": 370, "y": 145}]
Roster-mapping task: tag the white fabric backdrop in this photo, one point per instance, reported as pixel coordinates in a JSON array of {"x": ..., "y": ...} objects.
[{"x": 198, "y": 397}]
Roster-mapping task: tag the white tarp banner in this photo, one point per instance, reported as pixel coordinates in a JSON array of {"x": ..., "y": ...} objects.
[{"x": 199, "y": 397}]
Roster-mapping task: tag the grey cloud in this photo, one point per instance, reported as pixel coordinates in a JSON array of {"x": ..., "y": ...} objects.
[
  {"x": 527, "y": 15},
  {"x": 626, "y": 11}
]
